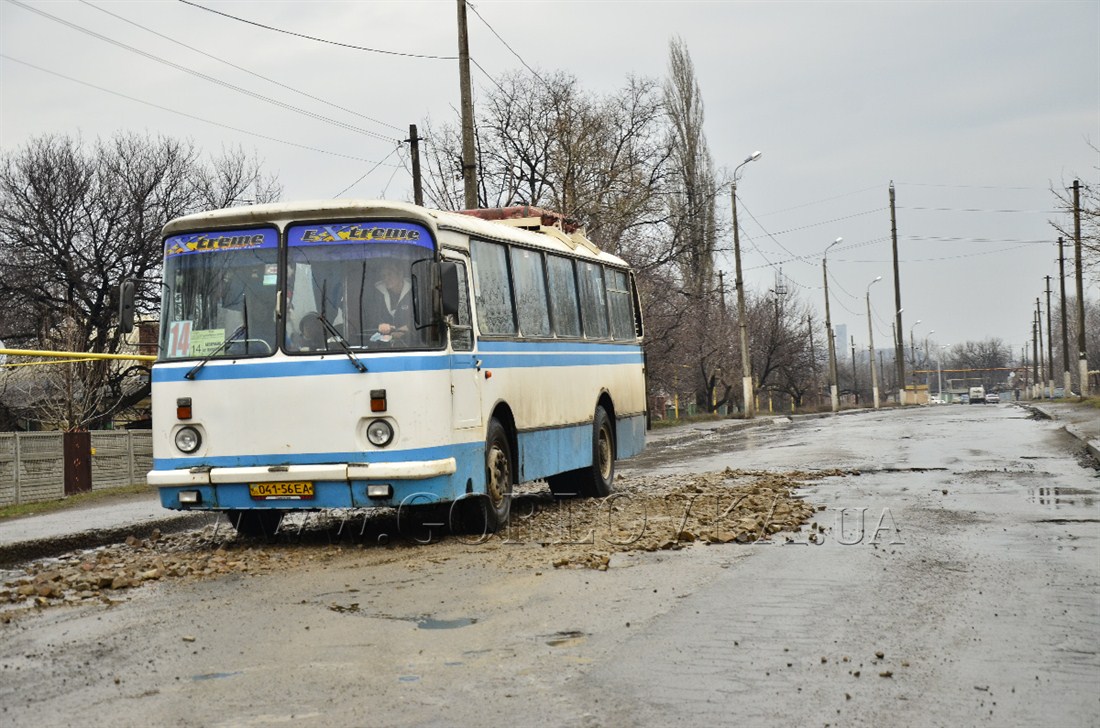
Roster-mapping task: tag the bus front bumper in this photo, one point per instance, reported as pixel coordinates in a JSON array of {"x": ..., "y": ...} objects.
[{"x": 335, "y": 485}]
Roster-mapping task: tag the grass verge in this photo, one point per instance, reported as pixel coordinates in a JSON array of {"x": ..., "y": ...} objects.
[{"x": 96, "y": 496}]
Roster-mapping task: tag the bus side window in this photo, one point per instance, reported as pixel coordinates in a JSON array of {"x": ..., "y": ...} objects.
[
  {"x": 492, "y": 288},
  {"x": 563, "y": 296},
  {"x": 593, "y": 300},
  {"x": 618, "y": 298},
  {"x": 462, "y": 339},
  {"x": 534, "y": 316}
]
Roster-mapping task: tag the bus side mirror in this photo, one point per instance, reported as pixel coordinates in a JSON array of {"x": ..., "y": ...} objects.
[
  {"x": 448, "y": 274},
  {"x": 126, "y": 307}
]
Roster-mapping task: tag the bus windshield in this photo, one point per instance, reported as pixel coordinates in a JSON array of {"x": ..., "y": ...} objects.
[
  {"x": 355, "y": 282},
  {"x": 220, "y": 291}
]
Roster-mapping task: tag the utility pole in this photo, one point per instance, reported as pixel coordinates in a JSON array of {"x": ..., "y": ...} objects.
[
  {"x": 871, "y": 344},
  {"x": 899, "y": 346},
  {"x": 746, "y": 360},
  {"x": 1034, "y": 354},
  {"x": 1039, "y": 337},
  {"x": 1067, "y": 379},
  {"x": 1083, "y": 362},
  {"x": 722, "y": 289},
  {"x": 855, "y": 380},
  {"x": 834, "y": 388},
  {"x": 414, "y": 155},
  {"x": 469, "y": 166},
  {"x": 1050, "y": 347}
]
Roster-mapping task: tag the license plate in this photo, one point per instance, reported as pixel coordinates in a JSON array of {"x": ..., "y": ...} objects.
[{"x": 281, "y": 491}]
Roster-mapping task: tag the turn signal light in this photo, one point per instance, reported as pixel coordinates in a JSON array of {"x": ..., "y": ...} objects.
[
  {"x": 378, "y": 400},
  {"x": 183, "y": 408}
]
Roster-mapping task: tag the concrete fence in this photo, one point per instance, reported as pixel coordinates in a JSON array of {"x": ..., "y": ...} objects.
[{"x": 32, "y": 464}]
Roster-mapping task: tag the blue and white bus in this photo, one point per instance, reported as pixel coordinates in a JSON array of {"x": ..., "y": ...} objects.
[{"x": 356, "y": 354}]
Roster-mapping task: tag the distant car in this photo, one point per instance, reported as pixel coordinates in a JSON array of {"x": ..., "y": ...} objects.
[
  {"x": 935, "y": 400},
  {"x": 993, "y": 398},
  {"x": 965, "y": 399}
]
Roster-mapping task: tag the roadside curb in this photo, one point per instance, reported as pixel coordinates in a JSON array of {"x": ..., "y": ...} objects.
[
  {"x": 13, "y": 554},
  {"x": 1093, "y": 446}
]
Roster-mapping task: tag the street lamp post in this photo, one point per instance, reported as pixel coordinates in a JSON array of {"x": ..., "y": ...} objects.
[
  {"x": 928, "y": 374},
  {"x": 939, "y": 373},
  {"x": 746, "y": 361},
  {"x": 871, "y": 344},
  {"x": 833, "y": 388}
]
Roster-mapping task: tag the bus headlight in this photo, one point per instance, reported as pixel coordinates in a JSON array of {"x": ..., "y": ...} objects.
[
  {"x": 188, "y": 439},
  {"x": 380, "y": 433}
]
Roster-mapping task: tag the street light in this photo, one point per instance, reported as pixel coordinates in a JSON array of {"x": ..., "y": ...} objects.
[
  {"x": 871, "y": 340},
  {"x": 927, "y": 374},
  {"x": 939, "y": 373},
  {"x": 746, "y": 362},
  {"x": 833, "y": 389},
  {"x": 913, "y": 348}
]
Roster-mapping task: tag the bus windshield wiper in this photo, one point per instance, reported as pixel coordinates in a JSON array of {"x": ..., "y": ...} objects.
[
  {"x": 241, "y": 331},
  {"x": 341, "y": 341}
]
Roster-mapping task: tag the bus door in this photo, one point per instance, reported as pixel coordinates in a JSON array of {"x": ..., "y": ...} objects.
[{"x": 464, "y": 365}]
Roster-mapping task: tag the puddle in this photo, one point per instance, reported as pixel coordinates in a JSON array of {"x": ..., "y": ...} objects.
[
  {"x": 430, "y": 623},
  {"x": 1057, "y": 496},
  {"x": 214, "y": 676}
]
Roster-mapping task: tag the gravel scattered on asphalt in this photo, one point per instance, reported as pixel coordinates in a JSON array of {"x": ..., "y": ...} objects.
[{"x": 645, "y": 513}]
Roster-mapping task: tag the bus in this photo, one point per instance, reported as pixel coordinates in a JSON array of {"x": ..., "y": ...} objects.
[{"x": 364, "y": 354}]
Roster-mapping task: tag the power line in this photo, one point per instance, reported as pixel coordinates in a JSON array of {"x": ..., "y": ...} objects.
[
  {"x": 319, "y": 40},
  {"x": 826, "y": 222},
  {"x": 183, "y": 113},
  {"x": 975, "y": 209},
  {"x": 198, "y": 74},
  {"x": 376, "y": 166},
  {"x": 512, "y": 50},
  {"x": 823, "y": 200},
  {"x": 241, "y": 68}
]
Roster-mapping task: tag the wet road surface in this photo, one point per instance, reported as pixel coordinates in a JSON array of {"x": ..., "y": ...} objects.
[{"x": 956, "y": 582}]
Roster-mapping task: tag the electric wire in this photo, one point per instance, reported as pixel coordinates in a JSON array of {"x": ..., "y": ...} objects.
[
  {"x": 185, "y": 114},
  {"x": 198, "y": 74},
  {"x": 308, "y": 95},
  {"x": 316, "y": 39},
  {"x": 376, "y": 166},
  {"x": 512, "y": 50}
]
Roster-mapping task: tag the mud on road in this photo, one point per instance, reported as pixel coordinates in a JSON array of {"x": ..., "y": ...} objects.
[{"x": 646, "y": 513}]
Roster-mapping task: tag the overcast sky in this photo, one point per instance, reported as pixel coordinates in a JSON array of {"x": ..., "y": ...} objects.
[{"x": 973, "y": 109}]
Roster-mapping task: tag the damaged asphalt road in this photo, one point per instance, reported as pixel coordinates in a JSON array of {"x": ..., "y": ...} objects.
[{"x": 952, "y": 581}]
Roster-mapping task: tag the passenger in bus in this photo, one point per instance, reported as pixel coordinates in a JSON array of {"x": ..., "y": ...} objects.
[
  {"x": 311, "y": 333},
  {"x": 392, "y": 303}
]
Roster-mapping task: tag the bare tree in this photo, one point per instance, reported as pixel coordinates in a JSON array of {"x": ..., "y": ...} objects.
[
  {"x": 75, "y": 221},
  {"x": 1090, "y": 220}
]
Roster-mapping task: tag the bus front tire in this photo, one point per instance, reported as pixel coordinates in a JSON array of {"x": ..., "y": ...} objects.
[
  {"x": 255, "y": 523},
  {"x": 487, "y": 512},
  {"x": 596, "y": 480}
]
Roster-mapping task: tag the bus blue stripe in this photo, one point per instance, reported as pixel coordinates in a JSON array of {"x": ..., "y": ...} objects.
[{"x": 516, "y": 357}]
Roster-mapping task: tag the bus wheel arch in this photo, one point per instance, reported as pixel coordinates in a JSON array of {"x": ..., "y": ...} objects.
[
  {"x": 597, "y": 479},
  {"x": 255, "y": 523},
  {"x": 487, "y": 511}
]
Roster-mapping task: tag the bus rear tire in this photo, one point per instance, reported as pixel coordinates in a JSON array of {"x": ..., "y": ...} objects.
[
  {"x": 596, "y": 480},
  {"x": 255, "y": 523},
  {"x": 483, "y": 513}
]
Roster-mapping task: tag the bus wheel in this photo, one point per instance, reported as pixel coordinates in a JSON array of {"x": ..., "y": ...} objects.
[
  {"x": 597, "y": 479},
  {"x": 255, "y": 524},
  {"x": 487, "y": 512}
]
